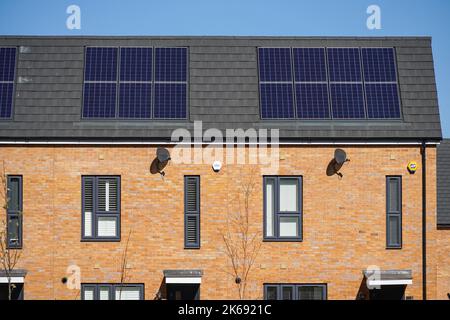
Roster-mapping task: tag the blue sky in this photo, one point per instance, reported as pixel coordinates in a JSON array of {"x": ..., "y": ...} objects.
[{"x": 242, "y": 17}]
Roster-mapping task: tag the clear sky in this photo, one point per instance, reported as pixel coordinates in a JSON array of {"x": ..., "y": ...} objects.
[{"x": 242, "y": 17}]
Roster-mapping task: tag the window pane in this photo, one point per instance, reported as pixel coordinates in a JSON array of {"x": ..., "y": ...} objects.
[
  {"x": 106, "y": 226},
  {"x": 287, "y": 293},
  {"x": 14, "y": 192},
  {"x": 288, "y": 226},
  {"x": 270, "y": 188},
  {"x": 88, "y": 224},
  {"x": 104, "y": 293},
  {"x": 271, "y": 293},
  {"x": 88, "y": 294},
  {"x": 394, "y": 196},
  {"x": 13, "y": 230},
  {"x": 310, "y": 293},
  {"x": 289, "y": 195},
  {"x": 107, "y": 195},
  {"x": 394, "y": 225},
  {"x": 127, "y": 293}
]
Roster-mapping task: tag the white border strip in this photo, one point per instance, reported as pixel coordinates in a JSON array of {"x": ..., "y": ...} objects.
[
  {"x": 184, "y": 280},
  {"x": 388, "y": 282},
  {"x": 13, "y": 280},
  {"x": 212, "y": 143}
]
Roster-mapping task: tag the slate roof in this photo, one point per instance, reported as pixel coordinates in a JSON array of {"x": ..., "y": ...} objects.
[{"x": 223, "y": 90}]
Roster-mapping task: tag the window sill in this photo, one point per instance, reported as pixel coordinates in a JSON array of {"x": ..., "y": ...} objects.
[
  {"x": 284, "y": 240},
  {"x": 101, "y": 240}
]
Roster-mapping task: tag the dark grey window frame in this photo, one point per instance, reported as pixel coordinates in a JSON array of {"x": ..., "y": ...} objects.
[
  {"x": 15, "y": 214},
  {"x": 294, "y": 287},
  {"x": 394, "y": 214},
  {"x": 96, "y": 213},
  {"x": 187, "y": 214},
  {"x": 112, "y": 287},
  {"x": 278, "y": 213}
]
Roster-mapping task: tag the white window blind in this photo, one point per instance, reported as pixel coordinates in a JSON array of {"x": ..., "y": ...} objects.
[
  {"x": 88, "y": 294},
  {"x": 288, "y": 226},
  {"x": 288, "y": 195},
  {"x": 104, "y": 293},
  {"x": 270, "y": 185},
  {"x": 106, "y": 226},
  {"x": 127, "y": 293}
]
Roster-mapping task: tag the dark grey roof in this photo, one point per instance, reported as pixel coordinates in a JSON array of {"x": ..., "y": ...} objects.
[
  {"x": 390, "y": 274},
  {"x": 443, "y": 183},
  {"x": 182, "y": 273},
  {"x": 223, "y": 89}
]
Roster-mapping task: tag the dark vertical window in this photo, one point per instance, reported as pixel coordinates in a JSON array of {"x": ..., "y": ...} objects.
[
  {"x": 282, "y": 208},
  {"x": 192, "y": 212},
  {"x": 290, "y": 291},
  {"x": 394, "y": 212},
  {"x": 101, "y": 208},
  {"x": 14, "y": 211}
]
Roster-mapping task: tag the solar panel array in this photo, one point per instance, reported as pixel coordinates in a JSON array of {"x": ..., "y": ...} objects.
[
  {"x": 329, "y": 83},
  {"x": 7, "y": 75},
  {"x": 135, "y": 83}
]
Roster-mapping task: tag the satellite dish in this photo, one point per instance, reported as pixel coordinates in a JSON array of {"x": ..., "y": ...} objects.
[
  {"x": 340, "y": 157},
  {"x": 160, "y": 162}
]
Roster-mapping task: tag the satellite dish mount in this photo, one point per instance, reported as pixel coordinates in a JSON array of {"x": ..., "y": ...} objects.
[
  {"x": 160, "y": 162},
  {"x": 340, "y": 157}
]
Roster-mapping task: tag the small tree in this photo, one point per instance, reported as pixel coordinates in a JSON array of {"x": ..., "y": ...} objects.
[
  {"x": 242, "y": 245},
  {"x": 123, "y": 265},
  {"x": 8, "y": 256}
]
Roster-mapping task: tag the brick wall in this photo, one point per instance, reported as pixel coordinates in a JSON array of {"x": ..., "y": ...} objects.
[{"x": 344, "y": 221}]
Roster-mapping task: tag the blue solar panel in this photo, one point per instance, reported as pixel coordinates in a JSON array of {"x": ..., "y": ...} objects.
[
  {"x": 135, "y": 100},
  {"x": 382, "y": 101},
  {"x": 275, "y": 64},
  {"x": 379, "y": 64},
  {"x": 344, "y": 64},
  {"x": 6, "y": 98},
  {"x": 7, "y": 64},
  {"x": 136, "y": 64},
  {"x": 347, "y": 101},
  {"x": 99, "y": 100},
  {"x": 312, "y": 100},
  {"x": 101, "y": 64},
  {"x": 310, "y": 65},
  {"x": 171, "y": 64},
  {"x": 170, "y": 100},
  {"x": 276, "y": 100}
]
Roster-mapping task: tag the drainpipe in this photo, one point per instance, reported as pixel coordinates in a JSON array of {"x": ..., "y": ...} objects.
[{"x": 424, "y": 220}]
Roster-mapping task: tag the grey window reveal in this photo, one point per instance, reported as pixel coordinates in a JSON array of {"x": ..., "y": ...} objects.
[
  {"x": 394, "y": 212},
  {"x": 290, "y": 291},
  {"x": 282, "y": 208},
  {"x": 101, "y": 208},
  {"x": 14, "y": 212},
  {"x": 192, "y": 212},
  {"x": 106, "y": 291}
]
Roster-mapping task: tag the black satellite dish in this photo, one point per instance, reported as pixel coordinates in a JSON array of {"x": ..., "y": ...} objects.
[
  {"x": 340, "y": 157},
  {"x": 160, "y": 162}
]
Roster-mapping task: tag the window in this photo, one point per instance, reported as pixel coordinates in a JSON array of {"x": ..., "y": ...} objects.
[
  {"x": 328, "y": 83},
  {"x": 135, "y": 83},
  {"x": 106, "y": 291},
  {"x": 7, "y": 76},
  {"x": 393, "y": 212},
  {"x": 192, "y": 212},
  {"x": 14, "y": 212},
  {"x": 101, "y": 208},
  {"x": 283, "y": 208},
  {"x": 295, "y": 291}
]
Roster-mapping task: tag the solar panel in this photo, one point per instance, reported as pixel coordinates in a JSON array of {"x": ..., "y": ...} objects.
[
  {"x": 310, "y": 65},
  {"x": 99, "y": 100},
  {"x": 171, "y": 64},
  {"x": 6, "y": 98},
  {"x": 135, "y": 100},
  {"x": 101, "y": 64},
  {"x": 344, "y": 64},
  {"x": 379, "y": 64},
  {"x": 275, "y": 64},
  {"x": 312, "y": 100},
  {"x": 136, "y": 64},
  {"x": 347, "y": 100},
  {"x": 382, "y": 101},
  {"x": 170, "y": 100},
  {"x": 7, "y": 64},
  {"x": 276, "y": 100}
]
